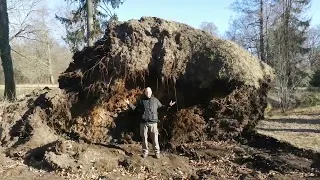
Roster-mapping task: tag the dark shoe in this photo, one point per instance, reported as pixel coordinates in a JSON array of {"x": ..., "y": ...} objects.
[{"x": 158, "y": 155}]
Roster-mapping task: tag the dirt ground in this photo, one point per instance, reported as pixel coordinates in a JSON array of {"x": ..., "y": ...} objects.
[
  {"x": 251, "y": 156},
  {"x": 203, "y": 160}
]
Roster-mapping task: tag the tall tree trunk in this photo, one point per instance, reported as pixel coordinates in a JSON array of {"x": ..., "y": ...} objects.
[
  {"x": 267, "y": 40},
  {"x": 262, "y": 53},
  {"x": 50, "y": 62},
  {"x": 5, "y": 52},
  {"x": 89, "y": 21}
]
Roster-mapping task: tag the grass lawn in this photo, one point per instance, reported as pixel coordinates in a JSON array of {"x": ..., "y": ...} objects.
[{"x": 299, "y": 126}]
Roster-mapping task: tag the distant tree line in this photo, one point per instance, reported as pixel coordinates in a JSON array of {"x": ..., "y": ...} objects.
[{"x": 279, "y": 33}]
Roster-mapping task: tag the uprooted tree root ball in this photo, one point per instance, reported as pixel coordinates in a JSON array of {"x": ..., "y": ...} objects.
[
  {"x": 224, "y": 82},
  {"x": 219, "y": 87}
]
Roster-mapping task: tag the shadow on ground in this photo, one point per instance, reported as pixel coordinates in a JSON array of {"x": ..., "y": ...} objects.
[
  {"x": 291, "y": 130},
  {"x": 295, "y": 121}
]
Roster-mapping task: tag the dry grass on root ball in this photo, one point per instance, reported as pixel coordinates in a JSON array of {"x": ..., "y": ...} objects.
[{"x": 179, "y": 63}]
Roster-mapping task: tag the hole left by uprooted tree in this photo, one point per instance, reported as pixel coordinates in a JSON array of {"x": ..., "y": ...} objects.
[{"x": 219, "y": 87}]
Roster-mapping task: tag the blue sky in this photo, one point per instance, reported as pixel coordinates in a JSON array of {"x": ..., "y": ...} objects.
[{"x": 187, "y": 11}]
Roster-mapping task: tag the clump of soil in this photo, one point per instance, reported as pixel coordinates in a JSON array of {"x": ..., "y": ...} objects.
[
  {"x": 188, "y": 126},
  {"x": 179, "y": 63}
]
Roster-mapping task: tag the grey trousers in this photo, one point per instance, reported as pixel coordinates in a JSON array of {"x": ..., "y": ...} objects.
[{"x": 145, "y": 130}]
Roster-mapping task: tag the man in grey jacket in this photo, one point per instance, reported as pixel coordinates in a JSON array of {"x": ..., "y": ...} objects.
[{"x": 148, "y": 109}]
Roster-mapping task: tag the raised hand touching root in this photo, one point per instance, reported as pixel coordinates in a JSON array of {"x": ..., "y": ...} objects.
[{"x": 172, "y": 103}]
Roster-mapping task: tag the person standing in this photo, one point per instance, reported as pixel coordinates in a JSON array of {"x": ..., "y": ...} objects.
[{"x": 148, "y": 110}]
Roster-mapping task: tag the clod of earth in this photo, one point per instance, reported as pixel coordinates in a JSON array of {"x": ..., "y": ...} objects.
[{"x": 219, "y": 87}]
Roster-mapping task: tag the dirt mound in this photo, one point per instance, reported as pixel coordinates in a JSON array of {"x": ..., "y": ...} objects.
[
  {"x": 220, "y": 89},
  {"x": 190, "y": 121},
  {"x": 179, "y": 63},
  {"x": 32, "y": 131}
]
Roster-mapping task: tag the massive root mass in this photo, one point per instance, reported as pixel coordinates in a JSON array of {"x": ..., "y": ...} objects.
[{"x": 219, "y": 87}]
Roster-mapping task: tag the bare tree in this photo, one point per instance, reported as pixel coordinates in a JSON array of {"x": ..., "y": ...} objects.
[
  {"x": 261, "y": 33},
  {"x": 21, "y": 14},
  {"x": 5, "y": 51},
  {"x": 47, "y": 45},
  {"x": 289, "y": 50},
  {"x": 89, "y": 21},
  {"x": 250, "y": 28},
  {"x": 275, "y": 31},
  {"x": 47, "y": 55},
  {"x": 313, "y": 43},
  {"x": 41, "y": 50},
  {"x": 209, "y": 27}
]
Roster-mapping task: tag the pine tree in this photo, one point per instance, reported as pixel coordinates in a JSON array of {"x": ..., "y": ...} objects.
[
  {"x": 288, "y": 48},
  {"x": 86, "y": 24}
]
